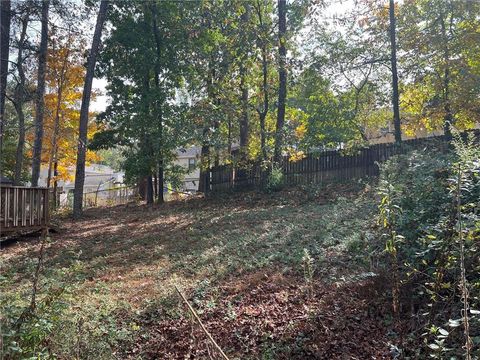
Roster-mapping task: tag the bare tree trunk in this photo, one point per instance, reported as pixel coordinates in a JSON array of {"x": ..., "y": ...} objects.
[
  {"x": 40, "y": 101},
  {"x": 5, "y": 16},
  {"x": 55, "y": 185},
  {"x": 216, "y": 157},
  {"x": 282, "y": 78},
  {"x": 142, "y": 186},
  {"x": 149, "y": 189},
  {"x": 56, "y": 126},
  {"x": 263, "y": 114},
  {"x": 448, "y": 116},
  {"x": 263, "y": 110},
  {"x": 216, "y": 127},
  {"x": 244, "y": 118},
  {"x": 393, "y": 60},
  {"x": 229, "y": 138},
  {"x": 204, "y": 181},
  {"x": 83, "y": 127},
  {"x": 17, "y": 177},
  {"x": 161, "y": 181},
  {"x": 146, "y": 143},
  {"x": 155, "y": 183},
  {"x": 19, "y": 99},
  {"x": 358, "y": 90}
]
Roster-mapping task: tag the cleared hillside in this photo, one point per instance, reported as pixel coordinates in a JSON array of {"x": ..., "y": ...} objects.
[{"x": 283, "y": 275}]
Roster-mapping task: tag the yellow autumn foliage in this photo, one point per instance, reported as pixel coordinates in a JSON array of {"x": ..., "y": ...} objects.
[{"x": 64, "y": 85}]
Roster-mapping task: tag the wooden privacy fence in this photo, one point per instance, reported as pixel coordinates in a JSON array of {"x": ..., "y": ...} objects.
[
  {"x": 319, "y": 167},
  {"x": 23, "y": 208}
]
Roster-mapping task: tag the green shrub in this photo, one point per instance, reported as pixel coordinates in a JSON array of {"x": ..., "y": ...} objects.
[
  {"x": 62, "y": 325},
  {"x": 275, "y": 180},
  {"x": 431, "y": 229}
]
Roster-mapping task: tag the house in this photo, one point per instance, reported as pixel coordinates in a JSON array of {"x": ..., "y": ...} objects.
[
  {"x": 188, "y": 158},
  {"x": 97, "y": 177}
]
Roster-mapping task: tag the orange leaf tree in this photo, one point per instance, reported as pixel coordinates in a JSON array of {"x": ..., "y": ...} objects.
[{"x": 64, "y": 80}]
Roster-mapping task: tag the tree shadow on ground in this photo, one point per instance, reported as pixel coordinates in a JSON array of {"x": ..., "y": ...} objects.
[{"x": 193, "y": 241}]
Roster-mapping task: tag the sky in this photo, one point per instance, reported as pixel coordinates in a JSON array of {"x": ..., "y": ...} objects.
[{"x": 101, "y": 102}]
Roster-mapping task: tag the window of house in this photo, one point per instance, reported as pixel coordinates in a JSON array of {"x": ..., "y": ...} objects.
[{"x": 192, "y": 163}]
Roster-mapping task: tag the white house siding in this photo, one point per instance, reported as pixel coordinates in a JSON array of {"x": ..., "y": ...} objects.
[
  {"x": 190, "y": 182},
  {"x": 96, "y": 177}
]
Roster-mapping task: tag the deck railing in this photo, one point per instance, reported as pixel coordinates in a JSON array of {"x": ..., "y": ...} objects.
[{"x": 23, "y": 208}]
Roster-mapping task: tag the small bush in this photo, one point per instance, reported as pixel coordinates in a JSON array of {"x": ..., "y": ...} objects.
[
  {"x": 274, "y": 180},
  {"x": 61, "y": 325}
]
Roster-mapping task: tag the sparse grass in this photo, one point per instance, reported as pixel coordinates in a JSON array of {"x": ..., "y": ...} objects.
[{"x": 121, "y": 260}]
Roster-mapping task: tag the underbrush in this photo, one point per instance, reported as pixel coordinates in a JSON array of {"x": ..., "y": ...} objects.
[
  {"x": 48, "y": 318},
  {"x": 430, "y": 223}
]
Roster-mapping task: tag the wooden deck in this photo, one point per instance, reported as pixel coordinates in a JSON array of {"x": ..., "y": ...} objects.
[{"x": 23, "y": 209}]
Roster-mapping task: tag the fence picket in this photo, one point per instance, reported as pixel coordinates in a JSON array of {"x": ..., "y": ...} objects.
[{"x": 328, "y": 165}]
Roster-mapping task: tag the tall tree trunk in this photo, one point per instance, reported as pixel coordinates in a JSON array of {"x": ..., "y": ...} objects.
[
  {"x": 83, "y": 126},
  {"x": 161, "y": 183},
  {"x": 56, "y": 125},
  {"x": 448, "y": 118},
  {"x": 244, "y": 117},
  {"x": 156, "y": 34},
  {"x": 282, "y": 79},
  {"x": 18, "y": 100},
  {"x": 393, "y": 61},
  {"x": 213, "y": 95},
  {"x": 244, "y": 121},
  {"x": 216, "y": 129},
  {"x": 146, "y": 142},
  {"x": 5, "y": 16},
  {"x": 55, "y": 185},
  {"x": 40, "y": 94},
  {"x": 358, "y": 90},
  {"x": 448, "y": 115},
  {"x": 149, "y": 189},
  {"x": 155, "y": 183},
  {"x": 17, "y": 176},
  {"x": 263, "y": 110},
  {"x": 204, "y": 180},
  {"x": 160, "y": 164},
  {"x": 229, "y": 138},
  {"x": 263, "y": 114}
]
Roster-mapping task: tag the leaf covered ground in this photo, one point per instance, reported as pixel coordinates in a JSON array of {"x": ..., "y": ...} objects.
[{"x": 272, "y": 276}]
